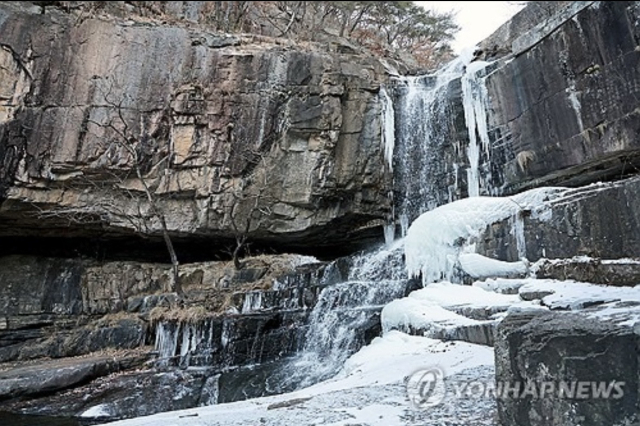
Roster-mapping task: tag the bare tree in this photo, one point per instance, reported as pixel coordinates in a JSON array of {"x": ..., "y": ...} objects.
[
  {"x": 250, "y": 195},
  {"x": 247, "y": 208},
  {"x": 116, "y": 133}
]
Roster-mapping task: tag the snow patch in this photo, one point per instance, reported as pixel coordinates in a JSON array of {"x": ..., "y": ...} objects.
[
  {"x": 501, "y": 285},
  {"x": 102, "y": 410},
  {"x": 424, "y": 315},
  {"x": 369, "y": 390},
  {"x": 434, "y": 308},
  {"x": 575, "y": 295},
  {"x": 449, "y": 295},
  {"x": 479, "y": 266}
]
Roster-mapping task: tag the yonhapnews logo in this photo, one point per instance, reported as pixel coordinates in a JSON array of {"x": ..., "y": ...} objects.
[{"x": 429, "y": 387}]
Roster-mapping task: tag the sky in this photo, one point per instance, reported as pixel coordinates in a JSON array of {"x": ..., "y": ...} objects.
[{"x": 477, "y": 19}]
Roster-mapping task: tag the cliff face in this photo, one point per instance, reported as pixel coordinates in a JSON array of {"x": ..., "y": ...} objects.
[
  {"x": 277, "y": 140},
  {"x": 553, "y": 105},
  {"x": 564, "y": 110}
]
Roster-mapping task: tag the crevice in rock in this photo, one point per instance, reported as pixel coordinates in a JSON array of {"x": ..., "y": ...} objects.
[{"x": 189, "y": 249}]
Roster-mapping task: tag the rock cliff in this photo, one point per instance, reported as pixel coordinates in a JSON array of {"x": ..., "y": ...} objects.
[
  {"x": 277, "y": 140},
  {"x": 285, "y": 143}
]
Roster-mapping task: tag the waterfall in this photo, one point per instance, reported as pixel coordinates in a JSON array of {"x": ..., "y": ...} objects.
[
  {"x": 425, "y": 141},
  {"x": 421, "y": 129},
  {"x": 346, "y": 316},
  {"x": 418, "y": 116},
  {"x": 428, "y": 140}
]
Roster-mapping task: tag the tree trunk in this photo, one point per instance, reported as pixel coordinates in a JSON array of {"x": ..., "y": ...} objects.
[
  {"x": 240, "y": 241},
  {"x": 176, "y": 285}
]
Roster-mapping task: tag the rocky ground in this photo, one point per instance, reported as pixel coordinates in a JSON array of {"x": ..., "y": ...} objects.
[{"x": 377, "y": 384}]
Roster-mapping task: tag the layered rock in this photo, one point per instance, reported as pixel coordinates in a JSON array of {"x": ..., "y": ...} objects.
[
  {"x": 563, "y": 110},
  {"x": 110, "y": 325},
  {"x": 61, "y": 307},
  {"x": 599, "y": 221},
  {"x": 277, "y": 140}
]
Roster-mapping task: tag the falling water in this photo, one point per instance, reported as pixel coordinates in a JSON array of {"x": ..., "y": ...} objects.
[
  {"x": 346, "y": 315},
  {"x": 429, "y": 140},
  {"x": 425, "y": 115}
]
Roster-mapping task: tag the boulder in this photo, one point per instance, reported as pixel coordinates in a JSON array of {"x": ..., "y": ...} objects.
[{"x": 596, "y": 362}]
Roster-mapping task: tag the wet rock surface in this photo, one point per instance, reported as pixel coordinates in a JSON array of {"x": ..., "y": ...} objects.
[{"x": 52, "y": 376}]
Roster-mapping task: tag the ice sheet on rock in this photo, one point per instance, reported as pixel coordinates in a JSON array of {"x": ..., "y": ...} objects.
[
  {"x": 479, "y": 266},
  {"x": 436, "y": 238},
  {"x": 475, "y": 99},
  {"x": 388, "y": 126}
]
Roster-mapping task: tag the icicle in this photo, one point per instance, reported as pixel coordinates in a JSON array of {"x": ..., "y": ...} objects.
[
  {"x": 518, "y": 229},
  {"x": 388, "y": 126},
  {"x": 389, "y": 233},
  {"x": 475, "y": 101},
  {"x": 166, "y": 341},
  {"x": 434, "y": 240},
  {"x": 252, "y": 302},
  {"x": 572, "y": 95}
]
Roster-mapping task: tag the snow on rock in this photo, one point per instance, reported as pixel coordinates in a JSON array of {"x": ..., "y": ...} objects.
[
  {"x": 623, "y": 313},
  {"x": 502, "y": 285},
  {"x": 102, "y": 410},
  {"x": 448, "y": 295},
  {"x": 436, "y": 238},
  {"x": 369, "y": 391},
  {"x": 576, "y": 295},
  {"x": 424, "y": 315},
  {"x": 479, "y": 266},
  {"x": 396, "y": 355},
  {"x": 445, "y": 309}
]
